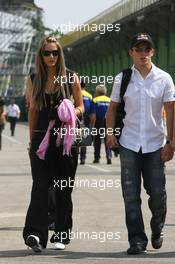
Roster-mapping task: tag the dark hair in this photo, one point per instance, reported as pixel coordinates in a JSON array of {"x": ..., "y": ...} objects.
[
  {"x": 1, "y": 101},
  {"x": 82, "y": 84}
]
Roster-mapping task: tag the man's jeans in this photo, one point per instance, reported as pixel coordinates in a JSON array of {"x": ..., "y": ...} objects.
[{"x": 151, "y": 167}]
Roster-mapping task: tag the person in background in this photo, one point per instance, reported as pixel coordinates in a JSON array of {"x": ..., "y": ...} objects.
[
  {"x": 2, "y": 120},
  {"x": 87, "y": 101},
  {"x": 99, "y": 108},
  {"x": 13, "y": 113}
]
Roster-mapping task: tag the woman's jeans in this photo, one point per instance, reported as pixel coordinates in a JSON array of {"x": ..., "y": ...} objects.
[
  {"x": 151, "y": 167},
  {"x": 56, "y": 170}
]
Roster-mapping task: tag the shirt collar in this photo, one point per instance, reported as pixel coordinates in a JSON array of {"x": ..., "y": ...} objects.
[{"x": 153, "y": 70}]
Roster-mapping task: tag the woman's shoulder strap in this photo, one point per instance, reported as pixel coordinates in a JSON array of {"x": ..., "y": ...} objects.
[{"x": 69, "y": 74}]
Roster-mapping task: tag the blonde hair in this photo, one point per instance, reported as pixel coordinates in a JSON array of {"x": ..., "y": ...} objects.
[
  {"x": 101, "y": 90},
  {"x": 41, "y": 75}
]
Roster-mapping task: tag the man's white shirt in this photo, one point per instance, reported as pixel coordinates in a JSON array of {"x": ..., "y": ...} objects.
[
  {"x": 13, "y": 110},
  {"x": 144, "y": 98}
]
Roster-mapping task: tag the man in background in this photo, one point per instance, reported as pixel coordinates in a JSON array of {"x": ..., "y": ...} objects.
[
  {"x": 2, "y": 120},
  {"x": 87, "y": 101},
  {"x": 13, "y": 113},
  {"x": 99, "y": 108}
]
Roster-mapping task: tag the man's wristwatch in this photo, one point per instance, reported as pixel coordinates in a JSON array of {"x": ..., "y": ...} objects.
[{"x": 168, "y": 141}]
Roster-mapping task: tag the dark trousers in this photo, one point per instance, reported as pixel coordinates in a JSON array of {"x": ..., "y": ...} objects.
[
  {"x": 82, "y": 153},
  {"x": 97, "y": 148},
  {"x": 1, "y": 129},
  {"x": 83, "y": 149},
  {"x": 151, "y": 167},
  {"x": 12, "y": 121},
  {"x": 45, "y": 173}
]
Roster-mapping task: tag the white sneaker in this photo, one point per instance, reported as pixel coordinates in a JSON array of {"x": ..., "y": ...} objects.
[
  {"x": 34, "y": 243},
  {"x": 59, "y": 246}
]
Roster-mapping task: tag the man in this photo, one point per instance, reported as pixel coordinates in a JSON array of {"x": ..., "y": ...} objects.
[
  {"x": 87, "y": 101},
  {"x": 173, "y": 142},
  {"x": 143, "y": 147},
  {"x": 2, "y": 120},
  {"x": 13, "y": 113},
  {"x": 99, "y": 108}
]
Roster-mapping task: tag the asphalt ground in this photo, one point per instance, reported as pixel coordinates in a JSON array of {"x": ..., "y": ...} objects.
[{"x": 99, "y": 232}]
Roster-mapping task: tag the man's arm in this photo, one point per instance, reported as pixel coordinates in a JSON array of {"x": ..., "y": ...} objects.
[
  {"x": 18, "y": 111},
  {"x": 167, "y": 151},
  {"x": 93, "y": 114},
  {"x": 169, "y": 110},
  {"x": 173, "y": 142},
  {"x": 92, "y": 119},
  {"x": 110, "y": 123}
]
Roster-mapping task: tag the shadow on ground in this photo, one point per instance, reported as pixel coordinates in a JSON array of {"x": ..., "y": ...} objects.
[{"x": 83, "y": 255}]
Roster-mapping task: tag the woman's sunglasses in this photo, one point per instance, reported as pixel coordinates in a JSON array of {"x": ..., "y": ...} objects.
[{"x": 47, "y": 53}]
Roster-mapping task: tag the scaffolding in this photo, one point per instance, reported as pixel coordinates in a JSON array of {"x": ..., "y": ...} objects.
[{"x": 17, "y": 39}]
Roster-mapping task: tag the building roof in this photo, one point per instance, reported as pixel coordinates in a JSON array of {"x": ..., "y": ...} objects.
[{"x": 111, "y": 15}]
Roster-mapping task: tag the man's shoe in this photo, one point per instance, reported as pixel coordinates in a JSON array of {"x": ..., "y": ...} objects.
[
  {"x": 109, "y": 161},
  {"x": 157, "y": 240},
  {"x": 136, "y": 249},
  {"x": 34, "y": 243},
  {"x": 82, "y": 162},
  {"x": 96, "y": 161}
]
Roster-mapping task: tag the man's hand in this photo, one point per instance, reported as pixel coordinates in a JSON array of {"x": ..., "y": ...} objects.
[
  {"x": 112, "y": 142},
  {"x": 173, "y": 145},
  {"x": 167, "y": 152}
]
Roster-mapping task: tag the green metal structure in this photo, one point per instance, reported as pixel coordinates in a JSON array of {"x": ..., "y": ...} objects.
[{"x": 107, "y": 54}]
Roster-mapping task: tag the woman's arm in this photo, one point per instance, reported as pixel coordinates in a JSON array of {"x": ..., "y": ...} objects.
[
  {"x": 77, "y": 96},
  {"x": 32, "y": 113},
  {"x": 1, "y": 110},
  {"x": 2, "y": 117}
]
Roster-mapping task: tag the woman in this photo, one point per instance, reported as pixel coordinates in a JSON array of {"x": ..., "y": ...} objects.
[{"x": 43, "y": 95}]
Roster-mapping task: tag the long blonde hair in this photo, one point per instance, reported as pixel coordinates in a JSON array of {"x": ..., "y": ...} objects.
[{"x": 41, "y": 75}]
